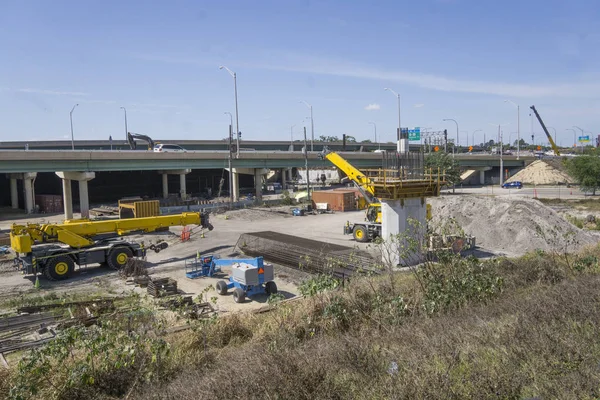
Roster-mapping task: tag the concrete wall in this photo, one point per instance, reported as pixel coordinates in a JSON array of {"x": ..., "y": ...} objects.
[{"x": 332, "y": 175}]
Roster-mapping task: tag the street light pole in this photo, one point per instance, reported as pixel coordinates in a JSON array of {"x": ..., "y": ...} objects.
[
  {"x": 375, "y": 128},
  {"x": 71, "y": 118},
  {"x": 399, "y": 135},
  {"x": 307, "y": 171},
  {"x": 574, "y": 136},
  {"x": 581, "y": 135},
  {"x": 124, "y": 109},
  {"x": 473, "y": 136},
  {"x": 501, "y": 160},
  {"x": 518, "y": 126},
  {"x": 237, "y": 121},
  {"x": 450, "y": 119},
  {"x": 312, "y": 125}
]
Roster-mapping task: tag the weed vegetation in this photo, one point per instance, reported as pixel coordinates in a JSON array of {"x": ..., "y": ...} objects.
[{"x": 453, "y": 328}]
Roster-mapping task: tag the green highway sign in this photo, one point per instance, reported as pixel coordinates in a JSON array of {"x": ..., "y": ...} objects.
[
  {"x": 414, "y": 134},
  {"x": 582, "y": 139}
]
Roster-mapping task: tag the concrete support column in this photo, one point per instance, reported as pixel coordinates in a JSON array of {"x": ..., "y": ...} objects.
[
  {"x": 14, "y": 195},
  {"x": 290, "y": 176},
  {"x": 28, "y": 188},
  {"x": 283, "y": 178},
  {"x": 182, "y": 189},
  {"x": 482, "y": 177},
  {"x": 403, "y": 146},
  {"x": 258, "y": 183},
  {"x": 67, "y": 198},
  {"x": 236, "y": 185},
  {"x": 402, "y": 222},
  {"x": 84, "y": 200},
  {"x": 165, "y": 185}
]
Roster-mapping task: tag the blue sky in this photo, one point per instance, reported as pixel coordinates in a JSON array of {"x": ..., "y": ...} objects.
[{"x": 447, "y": 58}]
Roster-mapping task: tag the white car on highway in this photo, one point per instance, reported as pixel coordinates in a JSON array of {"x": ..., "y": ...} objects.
[{"x": 166, "y": 148}]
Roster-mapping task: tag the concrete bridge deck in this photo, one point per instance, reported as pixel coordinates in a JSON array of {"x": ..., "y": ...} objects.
[{"x": 18, "y": 161}]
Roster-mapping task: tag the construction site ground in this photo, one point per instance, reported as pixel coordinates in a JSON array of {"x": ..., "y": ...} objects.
[{"x": 503, "y": 223}]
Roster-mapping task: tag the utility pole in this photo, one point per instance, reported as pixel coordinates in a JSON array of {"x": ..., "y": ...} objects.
[{"x": 307, "y": 172}]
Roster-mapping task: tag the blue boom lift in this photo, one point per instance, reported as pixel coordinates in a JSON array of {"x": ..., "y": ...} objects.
[{"x": 249, "y": 276}]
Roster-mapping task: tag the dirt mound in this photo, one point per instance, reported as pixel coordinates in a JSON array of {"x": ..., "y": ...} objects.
[
  {"x": 510, "y": 226},
  {"x": 542, "y": 172}
]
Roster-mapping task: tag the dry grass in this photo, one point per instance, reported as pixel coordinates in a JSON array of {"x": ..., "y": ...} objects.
[
  {"x": 542, "y": 342},
  {"x": 375, "y": 339},
  {"x": 582, "y": 204},
  {"x": 537, "y": 339}
]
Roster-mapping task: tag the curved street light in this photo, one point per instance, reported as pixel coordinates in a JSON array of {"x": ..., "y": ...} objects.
[
  {"x": 71, "y": 118},
  {"x": 399, "y": 126},
  {"x": 581, "y": 135},
  {"x": 473, "y": 135},
  {"x": 312, "y": 125},
  {"x": 237, "y": 122},
  {"x": 518, "y": 126},
  {"x": 375, "y": 128}
]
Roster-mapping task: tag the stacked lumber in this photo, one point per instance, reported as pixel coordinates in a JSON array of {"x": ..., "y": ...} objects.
[{"x": 160, "y": 287}]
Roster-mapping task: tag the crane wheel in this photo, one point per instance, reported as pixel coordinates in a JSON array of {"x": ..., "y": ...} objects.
[
  {"x": 360, "y": 234},
  {"x": 59, "y": 268},
  {"x": 271, "y": 288},
  {"x": 239, "y": 295},
  {"x": 118, "y": 257}
]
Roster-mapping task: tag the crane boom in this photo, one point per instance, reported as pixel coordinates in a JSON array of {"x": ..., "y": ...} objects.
[
  {"x": 55, "y": 249},
  {"x": 80, "y": 233},
  {"x": 554, "y": 147},
  {"x": 364, "y": 183}
]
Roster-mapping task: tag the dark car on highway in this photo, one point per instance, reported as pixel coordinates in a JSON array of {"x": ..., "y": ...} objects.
[{"x": 511, "y": 185}]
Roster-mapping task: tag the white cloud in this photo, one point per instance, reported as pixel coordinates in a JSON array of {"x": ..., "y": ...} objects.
[
  {"x": 295, "y": 62},
  {"x": 51, "y": 92},
  {"x": 419, "y": 105},
  {"x": 373, "y": 107}
]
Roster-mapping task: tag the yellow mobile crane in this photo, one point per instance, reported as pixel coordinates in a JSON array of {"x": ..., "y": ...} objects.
[
  {"x": 371, "y": 228},
  {"x": 554, "y": 146},
  {"x": 55, "y": 249}
]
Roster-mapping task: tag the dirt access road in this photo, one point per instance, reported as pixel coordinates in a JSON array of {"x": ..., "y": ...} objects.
[{"x": 170, "y": 262}]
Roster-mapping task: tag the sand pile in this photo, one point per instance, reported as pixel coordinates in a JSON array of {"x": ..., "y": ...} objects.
[
  {"x": 541, "y": 172},
  {"x": 509, "y": 225}
]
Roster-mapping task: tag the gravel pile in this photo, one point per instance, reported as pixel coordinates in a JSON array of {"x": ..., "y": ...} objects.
[
  {"x": 254, "y": 214},
  {"x": 541, "y": 172},
  {"x": 509, "y": 226}
]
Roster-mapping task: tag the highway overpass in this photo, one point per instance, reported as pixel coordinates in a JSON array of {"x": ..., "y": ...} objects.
[{"x": 89, "y": 167}]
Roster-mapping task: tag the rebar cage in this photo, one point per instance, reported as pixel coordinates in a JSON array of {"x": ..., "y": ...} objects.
[{"x": 404, "y": 175}]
